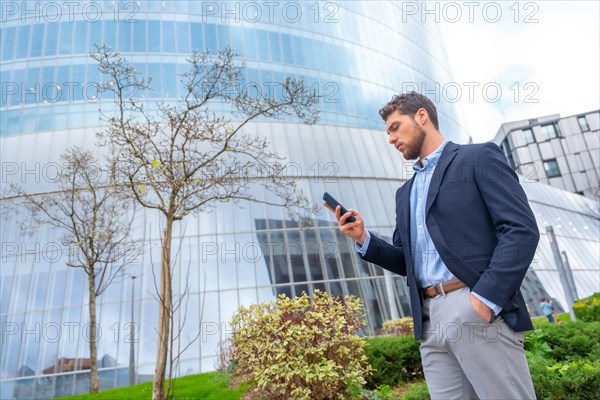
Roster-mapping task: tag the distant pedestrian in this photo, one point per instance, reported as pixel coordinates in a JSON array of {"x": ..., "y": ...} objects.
[{"x": 547, "y": 308}]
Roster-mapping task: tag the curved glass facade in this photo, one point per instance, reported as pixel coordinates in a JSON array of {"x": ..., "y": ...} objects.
[{"x": 356, "y": 55}]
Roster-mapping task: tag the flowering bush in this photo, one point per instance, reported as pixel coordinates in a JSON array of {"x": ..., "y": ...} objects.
[
  {"x": 301, "y": 347},
  {"x": 398, "y": 327}
]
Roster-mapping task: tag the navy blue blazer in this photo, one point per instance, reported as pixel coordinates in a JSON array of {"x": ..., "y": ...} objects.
[{"x": 481, "y": 225}]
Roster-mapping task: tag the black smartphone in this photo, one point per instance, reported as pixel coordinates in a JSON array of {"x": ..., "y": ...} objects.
[{"x": 333, "y": 203}]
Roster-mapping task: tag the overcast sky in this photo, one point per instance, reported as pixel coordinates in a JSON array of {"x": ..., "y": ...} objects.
[{"x": 544, "y": 58}]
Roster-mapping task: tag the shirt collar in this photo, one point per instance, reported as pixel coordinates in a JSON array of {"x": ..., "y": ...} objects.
[{"x": 431, "y": 160}]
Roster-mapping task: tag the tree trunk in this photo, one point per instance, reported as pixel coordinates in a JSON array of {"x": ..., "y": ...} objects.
[
  {"x": 166, "y": 298},
  {"x": 94, "y": 382}
]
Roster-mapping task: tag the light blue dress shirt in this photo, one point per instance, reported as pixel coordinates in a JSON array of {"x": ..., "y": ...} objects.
[{"x": 429, "y": 268}]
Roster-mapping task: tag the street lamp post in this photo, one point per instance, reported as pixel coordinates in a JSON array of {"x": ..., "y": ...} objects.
[{"x": 131, "y": 337}]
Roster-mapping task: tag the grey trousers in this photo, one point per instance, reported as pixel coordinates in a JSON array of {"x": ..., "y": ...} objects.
[{"x": 465, "y": 357}]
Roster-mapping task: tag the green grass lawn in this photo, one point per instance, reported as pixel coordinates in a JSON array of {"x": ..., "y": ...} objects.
[
  {"x": 540, "y": 321},
  {"x": 208, "y": 386}
]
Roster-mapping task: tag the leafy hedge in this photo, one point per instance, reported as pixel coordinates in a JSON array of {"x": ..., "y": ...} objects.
[
  {"x": 394, "y": 359},
  {"x": 564, "y": 361},
  {"x": 301, "y": 348},
  {"x": 588, "y": 309},
  {"x": 398, "y": 327}
]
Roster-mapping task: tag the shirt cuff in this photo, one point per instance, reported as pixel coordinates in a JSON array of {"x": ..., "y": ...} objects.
[
  {"x": 495, "y": 308},
  {"x": 363, "y": 250}
]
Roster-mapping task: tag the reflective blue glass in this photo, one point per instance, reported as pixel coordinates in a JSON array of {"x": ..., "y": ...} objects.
[
  {"x": 23, "y": 41},
  {"x": 8, "y": 42},
  {"x": 275, "y": 46},
  {"x": 109, "y": 27},
  {"x": 183, "y": 37},
  {"x": 154, "y": 36},
  {"x": 66, "y": 38},
  {"x": 169, "y": 80},
  {"x": 236, "y": 38},
  {"x": 125, "y": 32},
  {"x": 37, "y": 40},
  {"x": 139, "y": 36},
  {"x": 286, "y": 45},
  {"x": 223, "y": 36},
  {"x": 210, "y": 38},
  {"x": 262, "y": 40},
  {"x": 249, "y": 44},
  {"x": 196, "y": 36},
  {"x": 81, "y": 41},
  {"x": 94, "y": 34}
]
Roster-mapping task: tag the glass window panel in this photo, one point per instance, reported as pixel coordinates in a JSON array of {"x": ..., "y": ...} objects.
[
  {"x": 66, "y": 38},
  {"x": 308, "y": 47},
  {"x": 223, "y": 35},
  {"x": 139, "y": 36},
  {"x": 6, "y": 292},
  {"x": 236, "y": 38},
  {"x": 76, "y": 285},
  {"x": 19, "y": 294},
  {"x": 286, "y": 44},
  {"x": 210, "y": 37},
  {"x": 583, "y": 124},
  {"x": 262, "y": 39},
  {"x": 95, "y": 34},
  {"x": 81, "y": 43},
  {"x": 154, "y": 36},
  {"x": 183, "y": 37},
  {"x": 110, "y": 33},
  {"x": 40, "y": 288},
  {"x": 37, "y": 40},
  {"x": 168, "y": 36},
  {"x": 62, "y": 74},
  {"x": 275, "y": 46},
  {"x": 209, "y": 263},
  {"x": 250, "y": 50},
  {"x": 8, "y": 42},
  {"x": 303, "y": 54},
  {"x": 287, "y": 290},
  {"x": 125, "y": 33},
  {"x": 23, "y": 41},
  {"x": 196, "y": 36},
  {"x": 154, "y": 70},
  {"x": 170, "y": 80}
]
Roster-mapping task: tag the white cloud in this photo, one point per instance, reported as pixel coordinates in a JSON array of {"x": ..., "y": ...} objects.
[{"x": 559, "y": 56}]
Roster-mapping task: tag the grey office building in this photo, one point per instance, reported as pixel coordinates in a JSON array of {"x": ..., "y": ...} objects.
[{"x": 561, "y": 152}]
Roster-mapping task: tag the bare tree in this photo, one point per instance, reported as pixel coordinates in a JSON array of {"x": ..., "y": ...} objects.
[
  {"x": 95, "y": 221},
  {"x": 183, "y": 158}
]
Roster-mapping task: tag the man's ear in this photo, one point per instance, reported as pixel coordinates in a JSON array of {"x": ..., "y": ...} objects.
[{"x": 421, "y": 116}]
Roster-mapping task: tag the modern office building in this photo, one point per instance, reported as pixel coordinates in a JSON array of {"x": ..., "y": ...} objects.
[
  {"x": 560, "y": 152},
  {"x": 354, "y": 54}
]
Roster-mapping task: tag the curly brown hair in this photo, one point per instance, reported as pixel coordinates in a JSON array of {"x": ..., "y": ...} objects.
[{"x": 408, "y": 104}]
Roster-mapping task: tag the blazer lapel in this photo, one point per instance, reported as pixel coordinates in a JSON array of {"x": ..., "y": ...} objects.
[{"x": 446, "y": 158}]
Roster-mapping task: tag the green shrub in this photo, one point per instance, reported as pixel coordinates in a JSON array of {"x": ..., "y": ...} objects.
[
  {"x": 567, "y": 380},
  {"x": 394, "y": 359},
  {"x": 301, "y": 348},
  {"x": 588, "y": 309},
  {"x": 565, "y": 342},
  {"x": 417, "y": 391},
  {"x": 398, "y": 327}
]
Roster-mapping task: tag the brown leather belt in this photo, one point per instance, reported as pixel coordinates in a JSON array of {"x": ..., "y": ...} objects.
[{"x": 443, "y": 288}]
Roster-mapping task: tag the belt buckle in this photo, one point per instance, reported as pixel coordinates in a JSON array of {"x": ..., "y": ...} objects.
[{"x": 440, "y": 291}]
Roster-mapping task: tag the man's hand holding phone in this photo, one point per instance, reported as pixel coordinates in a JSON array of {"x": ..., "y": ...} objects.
[{"x": 349, "y": 221}]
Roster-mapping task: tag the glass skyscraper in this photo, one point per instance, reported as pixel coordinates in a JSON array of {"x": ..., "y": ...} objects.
[{"x": 354, "y": 54}]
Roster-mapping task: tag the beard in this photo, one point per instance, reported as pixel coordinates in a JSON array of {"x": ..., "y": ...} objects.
[{"x": 413, "y": 151}]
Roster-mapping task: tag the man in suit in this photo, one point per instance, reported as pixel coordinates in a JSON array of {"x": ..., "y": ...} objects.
[{"x": 464, "y": 238}]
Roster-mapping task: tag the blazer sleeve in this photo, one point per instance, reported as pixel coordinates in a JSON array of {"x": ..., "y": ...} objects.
[
  {"x": 386, "y": 255},
  {"x": 515, "y": 224}
]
